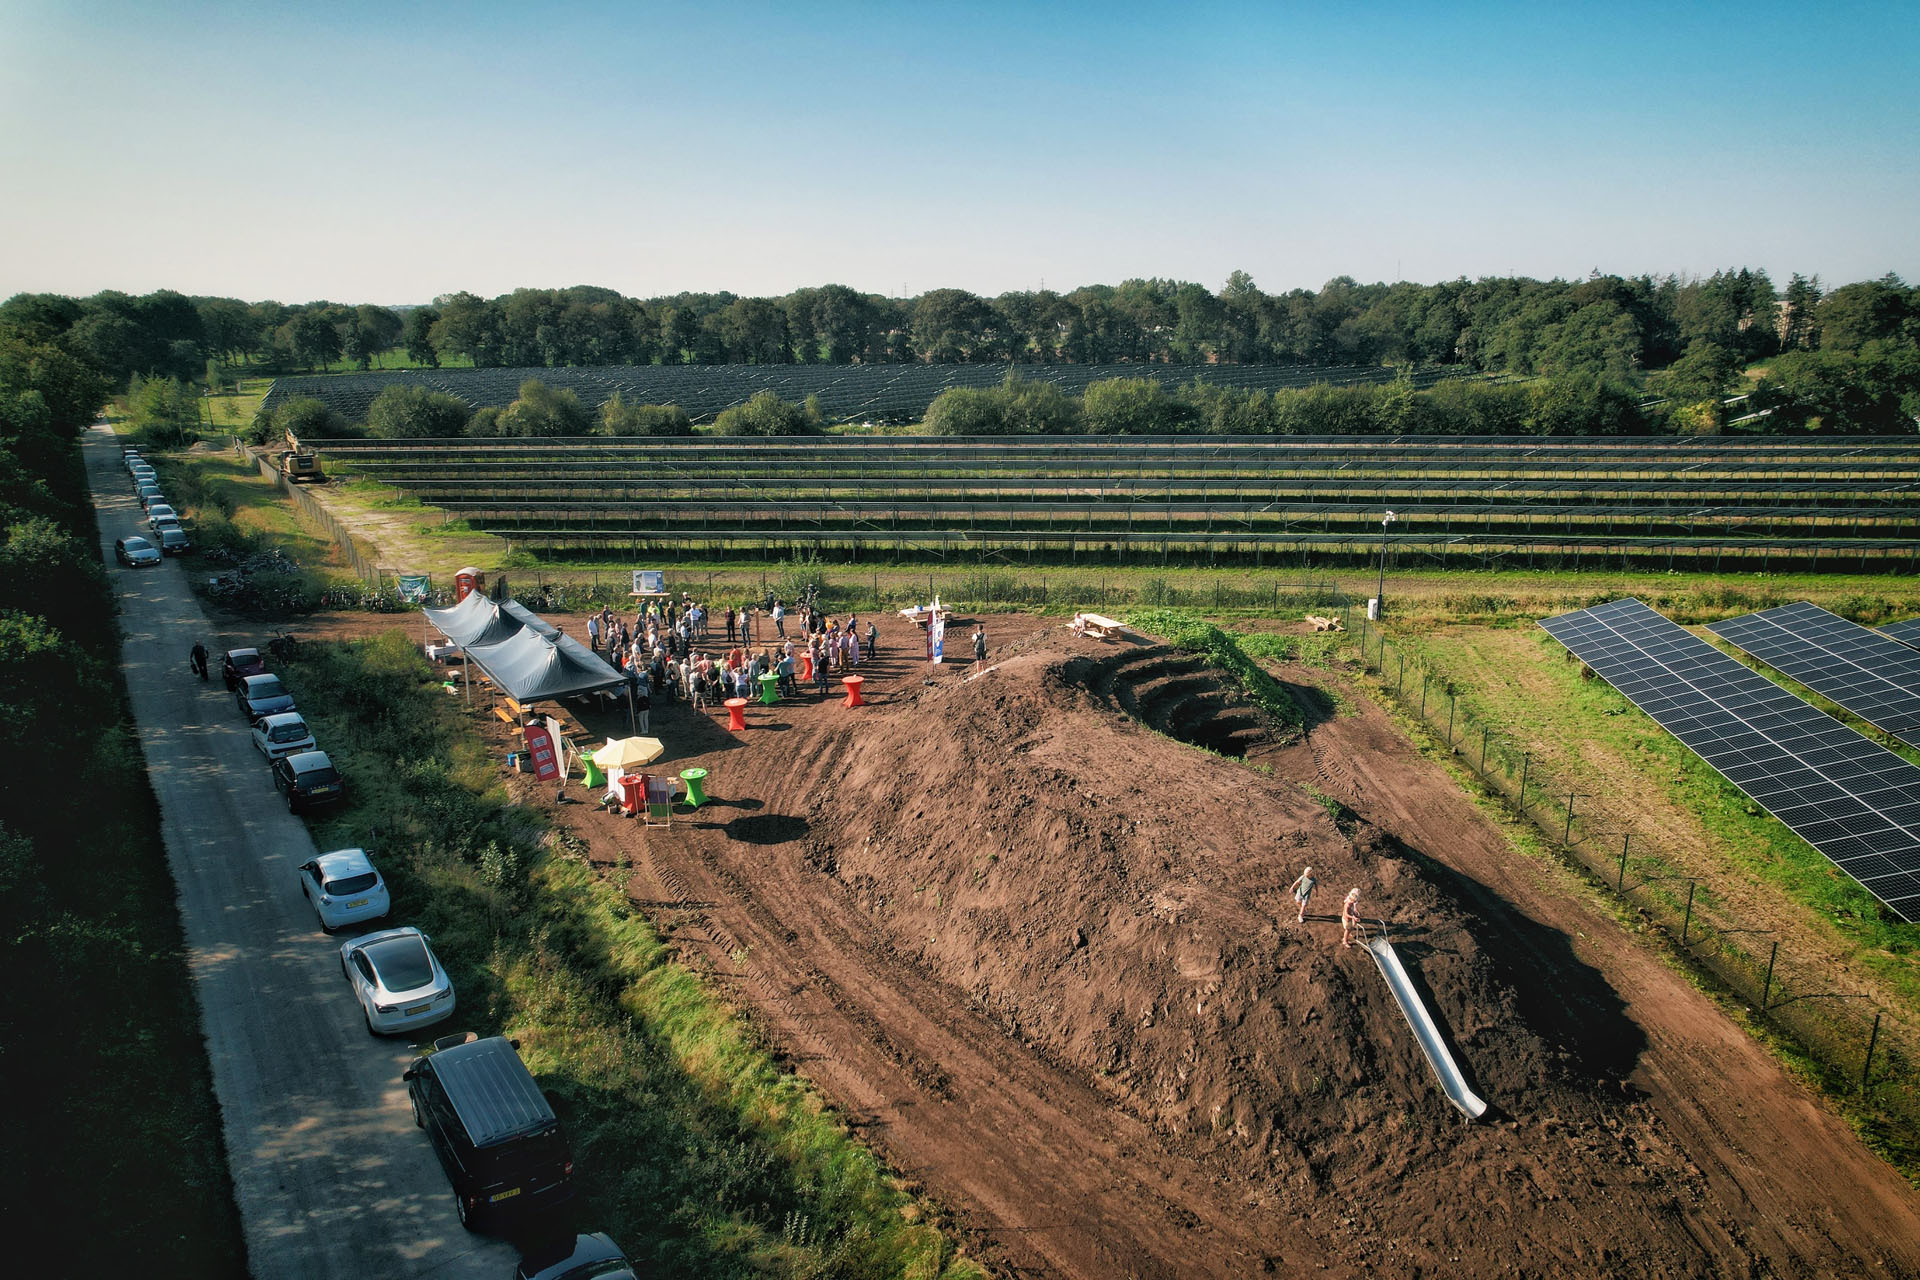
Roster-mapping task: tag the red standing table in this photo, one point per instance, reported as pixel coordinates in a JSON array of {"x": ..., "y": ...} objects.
[
  {"x": 736, "y": 713},
  {"x": 853, "y": 684}
]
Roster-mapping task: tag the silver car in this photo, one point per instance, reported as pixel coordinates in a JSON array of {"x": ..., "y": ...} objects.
[
  {"x": 282, "y": 734},
  {"x": 344, "y": 889},
  {"x": 397, "y": 980}
]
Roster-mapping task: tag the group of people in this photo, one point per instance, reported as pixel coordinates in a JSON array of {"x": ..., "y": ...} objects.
[
  {"x": 658, "y": 651},
  {"x": 1349, "y": 908}
]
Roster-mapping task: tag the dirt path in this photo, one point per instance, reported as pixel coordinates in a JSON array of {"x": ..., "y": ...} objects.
[{"x": 1788, "y": 1169}]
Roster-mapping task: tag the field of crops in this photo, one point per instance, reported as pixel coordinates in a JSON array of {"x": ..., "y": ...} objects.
[
  {"x": 847, "y": 393},
  {"x": 1699, "y": 503}
]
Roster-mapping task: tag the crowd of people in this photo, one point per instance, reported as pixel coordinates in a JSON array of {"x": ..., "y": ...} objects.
[{"x": 665, "y": 649}]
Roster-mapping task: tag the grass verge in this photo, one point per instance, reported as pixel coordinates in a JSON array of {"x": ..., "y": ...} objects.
[
  {"x": 1227, "y": 652},
  {"x": 694, "y": 1148}
]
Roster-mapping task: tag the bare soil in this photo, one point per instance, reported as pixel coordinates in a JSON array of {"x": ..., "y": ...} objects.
[{"x": 1043, "y": 957}]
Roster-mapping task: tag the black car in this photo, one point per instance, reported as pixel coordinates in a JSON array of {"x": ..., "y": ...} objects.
[
  {"x": 239, "y": 664},
  {"x": 594, "y": 1257},
  {"x": 134, "y": 552},
  {"x": 308, "y": 779},
  {"x": 260, "y": 696},
  {"x": 494, "y": 1131}
]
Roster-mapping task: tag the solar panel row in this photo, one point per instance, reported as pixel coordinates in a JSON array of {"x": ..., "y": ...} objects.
[
  {"x": 1907, "y": 633},
  {"x": 1853, "y": 800},
  {"x": 1872, "y": 675}
]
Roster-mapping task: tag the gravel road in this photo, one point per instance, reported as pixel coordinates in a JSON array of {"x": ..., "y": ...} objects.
[{"x": 332, "y": 1178}]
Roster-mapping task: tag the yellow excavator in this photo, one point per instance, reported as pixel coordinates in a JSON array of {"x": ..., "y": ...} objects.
[{"x": 299, "y": 463}]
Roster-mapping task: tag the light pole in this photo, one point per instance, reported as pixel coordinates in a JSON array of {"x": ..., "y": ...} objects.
[{"x": 1380, "y": 596}]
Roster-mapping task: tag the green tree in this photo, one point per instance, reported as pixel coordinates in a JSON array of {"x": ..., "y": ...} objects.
[
  {"x": 766, "y": 414},
  {"x": 618, "y": 418},
  {"x": 417, "y": 334},
  {"x": 1129, "y": 406},
  {"x": 45, "y": 570},
  {"x": 406, "y": 413},
  {"x": 165, "y": 410},
  {"x": 543, "y": 411},
  {"x": 966, "y": 411}
]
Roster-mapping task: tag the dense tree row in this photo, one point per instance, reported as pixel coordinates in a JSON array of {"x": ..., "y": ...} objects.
[{"x": 1844, "y": 356}]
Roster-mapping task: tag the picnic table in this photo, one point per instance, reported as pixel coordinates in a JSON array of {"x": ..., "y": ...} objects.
[
  {"x": 1095, "y": 625},
  {"x": 922, "y": 614}
]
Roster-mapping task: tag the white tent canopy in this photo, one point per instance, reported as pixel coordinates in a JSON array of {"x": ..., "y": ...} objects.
[
  {"x": 479, "y": 621},
  {"x": 530, "y": 667}
]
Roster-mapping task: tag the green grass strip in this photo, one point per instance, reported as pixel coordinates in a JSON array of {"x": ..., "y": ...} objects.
[{"x": 1230, "y": 654}]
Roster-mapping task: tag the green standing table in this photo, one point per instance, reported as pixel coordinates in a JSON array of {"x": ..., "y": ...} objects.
[
  {"x": 693, "y": 778},
  {"x": 594, "y": 778},
  {"x": 768, "y": 693}
]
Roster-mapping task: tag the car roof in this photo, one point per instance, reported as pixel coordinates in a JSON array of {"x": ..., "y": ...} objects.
[
  {"x": 262, "y": 675},
  {"x": 279, "y": 718},
  {"x": 344, "y": 862},
  {"x": 302, "y": 761},
  {"x": 133, "y": 542},
  {"x": 243, "y": 653},
  {"x": 491, "y": 1090},
  {"x": 562, "y": 1257}
]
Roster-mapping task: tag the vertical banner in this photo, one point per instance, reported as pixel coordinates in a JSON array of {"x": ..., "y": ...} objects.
[
  {"x": 543, "y": 748},
  {"x": 413, "y": 587},
  {"x": 936, "y": 637}
]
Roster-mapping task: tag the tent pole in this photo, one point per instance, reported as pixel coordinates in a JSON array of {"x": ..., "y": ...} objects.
[{"x": 633, "y": 718}]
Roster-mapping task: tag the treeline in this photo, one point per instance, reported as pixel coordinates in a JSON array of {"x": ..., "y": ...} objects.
[{"x": 1606, "y": 325}]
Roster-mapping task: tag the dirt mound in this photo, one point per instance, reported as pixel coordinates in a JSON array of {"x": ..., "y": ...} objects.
[{"x": 1118, "y": 902}]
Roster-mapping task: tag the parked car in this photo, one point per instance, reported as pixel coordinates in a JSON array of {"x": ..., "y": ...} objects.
[
  {"x": 144, "y": 475},
  {"x": 134, "y": 552},
  {"x": 174, "y": 540},
  {"x": 262, "y": 696},
  {"x": 343, "y": 888},
  {"x": 239, "y": 664},
  {"x": 590, "y": 1257},
  {"x": 284, "y": 733},
  {"x": 308, "y": 778},
  {"x": 150, "y": 494},
  {"x": 131, "y": 459},
  {"x": 158, "y": 512},
  {"x": 494, "y": 1131},
  {"x": 397, "y": 980}
]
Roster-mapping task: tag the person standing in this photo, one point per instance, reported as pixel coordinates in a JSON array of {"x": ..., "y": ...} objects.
[
  {"x": 1349, "y": 917},
  {"x": 197, "y": 660},
  {"x": 979, "y": 645},
  {"x": 1303, "y": 891},
  {"x": 730, "y": 624},
  {"x": 593, "y": 632},
  {"x": 779, "y": 619},
  {"x": 873, "y": 640}
]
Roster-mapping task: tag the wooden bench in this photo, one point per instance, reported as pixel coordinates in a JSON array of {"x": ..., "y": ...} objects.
[{"x": 1095, "y": 625}]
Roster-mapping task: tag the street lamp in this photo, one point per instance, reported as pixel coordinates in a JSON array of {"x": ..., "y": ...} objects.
[{"x": 1380, "y": 596}]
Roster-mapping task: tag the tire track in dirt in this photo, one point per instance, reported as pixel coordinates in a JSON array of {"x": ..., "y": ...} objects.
[{"x": 1043, "y": 1175}]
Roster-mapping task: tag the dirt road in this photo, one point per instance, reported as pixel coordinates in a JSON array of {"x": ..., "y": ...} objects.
[{"x": 332, "y": 1178}]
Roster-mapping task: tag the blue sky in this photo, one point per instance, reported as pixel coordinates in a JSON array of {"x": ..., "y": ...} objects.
[{"x": 392, "y": 152}]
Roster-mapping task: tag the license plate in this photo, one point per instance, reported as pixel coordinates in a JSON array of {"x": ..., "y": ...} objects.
[
  {"x": 418, "y": 1008},
  {"x": 323, "y": 791},
  {"x": 358, "y": 902},
  {"x": 504, "y": 1195}
]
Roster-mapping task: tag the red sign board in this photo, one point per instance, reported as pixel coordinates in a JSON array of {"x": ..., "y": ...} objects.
[{"x": 544, "y": 752}]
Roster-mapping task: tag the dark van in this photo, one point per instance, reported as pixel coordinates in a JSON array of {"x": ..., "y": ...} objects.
[{"x": 491, "y": 1126}]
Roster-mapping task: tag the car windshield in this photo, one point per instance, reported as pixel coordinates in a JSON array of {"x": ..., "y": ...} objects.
[
  {"x": 352, "y": 884},
  {"x": 401, "y": 963},
  {"x": 137, "y": 544},
  {"x": 265, "y": 687},
  {"x": 287, "y": 732},
  {"x": 318, "y": 776}
]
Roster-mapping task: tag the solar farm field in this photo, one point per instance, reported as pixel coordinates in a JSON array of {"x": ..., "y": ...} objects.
[
  {"x": 1700, "y": 503},
  {"x": 847, "y": 393}
]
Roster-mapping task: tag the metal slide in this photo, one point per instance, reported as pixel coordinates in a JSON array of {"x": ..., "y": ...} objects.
[{"x": 1452, "y": 1083}]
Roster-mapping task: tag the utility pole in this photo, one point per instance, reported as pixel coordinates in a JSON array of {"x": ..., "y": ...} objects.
[{"x": 1380, "y": 595}]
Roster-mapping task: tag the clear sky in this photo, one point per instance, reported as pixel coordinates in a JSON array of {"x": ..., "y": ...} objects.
[{"x": 390, "y": 152}]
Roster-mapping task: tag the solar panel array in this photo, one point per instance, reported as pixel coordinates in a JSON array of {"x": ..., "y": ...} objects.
[
  {"x": 1853, "y": 800},
  {"x": 1907, "y": 633},
  {"x": 1874, "y": 676}
]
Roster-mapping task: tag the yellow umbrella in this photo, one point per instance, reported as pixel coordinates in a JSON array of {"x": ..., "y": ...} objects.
[{"x": 628, "y": 753}]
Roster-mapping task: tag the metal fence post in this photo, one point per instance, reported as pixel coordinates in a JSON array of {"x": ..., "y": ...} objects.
[
  {"x": 1484, "y": 732},
  {"x": 1452, "y": 705},
  {"x": 1873, "y": 1038},
  {"x": 1686, "y": 926},
  {"x": 1766, "y": 989},
  {"x": 1620, "y": 885},
  {"x": 1401, "y": 683},
  {"x": 1425, "y": 680},
  {"x": 1526, "y": 763},
  {"x": 1566, "y": 832}
]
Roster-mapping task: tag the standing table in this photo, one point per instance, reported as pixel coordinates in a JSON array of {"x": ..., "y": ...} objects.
[{"x": 853, "y": 684}]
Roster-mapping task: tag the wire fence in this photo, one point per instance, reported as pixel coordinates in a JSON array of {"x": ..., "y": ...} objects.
[{"x": 1861, "y": 1046}]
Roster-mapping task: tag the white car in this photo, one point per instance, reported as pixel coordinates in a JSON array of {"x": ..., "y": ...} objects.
[
  {"x": 145, "y": 475},
  {"x": 159, "y": 513},
  {"x": 344, "y": 889},
  {"x": 397, "y": 980},
  {"x": 282, "y": 734}
]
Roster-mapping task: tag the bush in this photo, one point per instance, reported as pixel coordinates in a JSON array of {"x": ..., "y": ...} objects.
[
  {"x": 412, "y": 413},
  {"x": 1196, "y": 635},
  {"x": 618, "y": 418},
  {"x": 766, "y": 415}
]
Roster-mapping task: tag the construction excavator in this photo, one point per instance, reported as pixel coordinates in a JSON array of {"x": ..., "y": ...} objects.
[{"x": 299, "y": 463}]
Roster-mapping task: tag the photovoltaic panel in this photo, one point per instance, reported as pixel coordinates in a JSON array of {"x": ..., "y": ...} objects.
[
  {"x": 1907, "y": 633},
  {"x": 1872, "y": 675},
  {"x": 1850, "y": 798}
]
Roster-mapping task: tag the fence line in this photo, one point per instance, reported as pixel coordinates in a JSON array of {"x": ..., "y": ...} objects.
[
  {"x": 361, "y": 557},
  {"x": 1861, "y": 1045}
]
